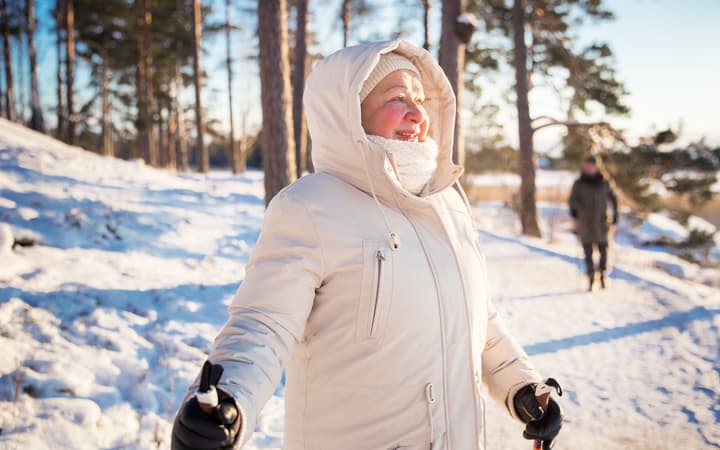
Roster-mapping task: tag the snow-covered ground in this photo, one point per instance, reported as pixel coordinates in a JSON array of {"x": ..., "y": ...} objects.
[
  {"x": 105, "y": 322},
  {"x": 560, "y": 179}
]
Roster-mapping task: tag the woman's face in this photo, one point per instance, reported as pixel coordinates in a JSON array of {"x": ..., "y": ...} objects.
[{"x": 394, "y": 108}]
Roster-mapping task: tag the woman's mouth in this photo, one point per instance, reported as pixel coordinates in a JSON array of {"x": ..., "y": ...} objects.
[{"x": 406, "y": 136}]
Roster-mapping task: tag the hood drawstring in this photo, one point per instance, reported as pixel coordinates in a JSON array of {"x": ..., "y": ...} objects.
[
  {"x": 393, "y": 238},
  {"x": 467, "y": 204},
  {"x": 462, "y": 193}
]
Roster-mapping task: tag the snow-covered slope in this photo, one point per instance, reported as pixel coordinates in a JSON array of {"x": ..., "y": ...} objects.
[{"x": 104, "y": 324}]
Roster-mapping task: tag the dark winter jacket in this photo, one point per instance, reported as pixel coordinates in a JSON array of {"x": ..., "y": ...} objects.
[{"x": 588, "y": 204}]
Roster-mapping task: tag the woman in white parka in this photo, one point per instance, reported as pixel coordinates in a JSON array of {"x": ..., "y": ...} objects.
[{"x": 367, "y": 283}]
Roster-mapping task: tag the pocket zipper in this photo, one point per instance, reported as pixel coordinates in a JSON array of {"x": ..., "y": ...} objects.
[{"x": 380, "y": 257}]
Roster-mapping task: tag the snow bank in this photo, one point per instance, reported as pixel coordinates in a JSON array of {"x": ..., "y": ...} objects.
[
  {"x": 6, "y": 240},
  {"x": 659, "y": 228}
]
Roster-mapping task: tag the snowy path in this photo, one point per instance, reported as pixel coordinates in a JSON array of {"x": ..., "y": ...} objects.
[
  {"x": 639, "y": 362},
  {"x": 104, "y": 324}
]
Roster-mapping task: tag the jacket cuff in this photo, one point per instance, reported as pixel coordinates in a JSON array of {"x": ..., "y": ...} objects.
[{"x": 510, "y": 401}]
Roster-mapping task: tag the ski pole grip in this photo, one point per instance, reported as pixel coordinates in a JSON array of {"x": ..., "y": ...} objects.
[
  {"x": 208, "y": 401},
  {"x": 206, "y": 394}
]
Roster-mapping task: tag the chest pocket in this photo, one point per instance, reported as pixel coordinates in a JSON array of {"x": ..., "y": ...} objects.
[{"x": 376, "y": 290}]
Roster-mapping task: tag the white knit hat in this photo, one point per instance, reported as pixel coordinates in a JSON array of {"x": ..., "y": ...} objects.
[{"x": 389, "y": 62}]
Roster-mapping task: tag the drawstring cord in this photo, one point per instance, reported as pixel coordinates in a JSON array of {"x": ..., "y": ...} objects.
[
  {"x": 393, "y": 238},
  {"x": 484, "y": 425},
  {"x": 430, "y": 397},
  {"x": 465, "y": 198},
  {"x": 482, "y": 399}
]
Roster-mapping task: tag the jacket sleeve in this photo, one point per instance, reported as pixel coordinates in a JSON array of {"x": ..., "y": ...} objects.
[
  {"x": 574, "y": 200},
  {"x": 613, "y": 198},
  {"x": 506, "y": 367},
  {"x": 270, "y": 308}
]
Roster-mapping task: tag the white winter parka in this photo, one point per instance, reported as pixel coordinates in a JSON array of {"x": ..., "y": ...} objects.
[{"x": 374, "y": 299}]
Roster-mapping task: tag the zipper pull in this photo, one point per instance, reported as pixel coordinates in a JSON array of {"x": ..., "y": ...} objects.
[
  {"x": 380, "y": 255},
  {"x": 394, "y": 241}
]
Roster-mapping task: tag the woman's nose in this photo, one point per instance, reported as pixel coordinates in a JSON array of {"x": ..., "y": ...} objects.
[{"x": 415, "y": 113}]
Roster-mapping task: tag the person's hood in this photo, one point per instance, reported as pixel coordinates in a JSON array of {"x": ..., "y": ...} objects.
[{"x": 339, "y": 144}]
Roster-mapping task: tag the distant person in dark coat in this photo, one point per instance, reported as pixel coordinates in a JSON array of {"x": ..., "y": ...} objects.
[{"x": 589, "y": 200}]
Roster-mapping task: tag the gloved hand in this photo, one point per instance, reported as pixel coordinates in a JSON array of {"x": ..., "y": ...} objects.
[
  {"x": 194, "y": 429},
  {"x": 206, "y": 427},
  {"x": 540, "y": 424}
]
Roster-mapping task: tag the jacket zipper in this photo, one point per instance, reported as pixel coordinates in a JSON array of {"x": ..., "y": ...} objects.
[
  {"x": 380, "y": 257},
  {"x": 467, "y": 313},
  {"x": 443, "y": 345}
]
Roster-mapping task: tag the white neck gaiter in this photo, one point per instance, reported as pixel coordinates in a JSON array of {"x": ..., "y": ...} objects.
[{"x": 415, "y": 161}]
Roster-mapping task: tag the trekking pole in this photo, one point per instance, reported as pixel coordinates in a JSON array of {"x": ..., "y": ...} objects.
[{"x": 542, "y": 393}]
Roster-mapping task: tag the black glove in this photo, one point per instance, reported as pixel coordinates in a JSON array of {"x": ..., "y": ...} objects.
[
  {"x": 194, "y": 429},
  {"x": 573, "y": 213},
  {"x": 543, "y": 425}
]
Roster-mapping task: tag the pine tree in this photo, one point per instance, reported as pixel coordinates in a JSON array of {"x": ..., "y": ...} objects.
[
  {"x": 203, "y": 157},
  {"x": 37, "y": 122},
  {"x": 181, "y": 149},
  {"x": 7, "y": 61},
  {"x": 541, "y": 36},
  {"x": 69, "y": 26},
  {"x": 237, "y": 161},
  {"x": 278, "y": 145},
  {"x": 426, "y": 5},
  {"x": 300, "y": 63},
  {"x": 454, "y": 36},
  {"x": 60, "y": 108}
]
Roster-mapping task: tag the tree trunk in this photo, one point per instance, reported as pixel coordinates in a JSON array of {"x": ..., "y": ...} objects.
[
  {"x": 146, "y": 139},
  {"x": 107, "y": 140},
  {"x": 141, "y": 100},
  {"x": 277, "y": 140},
  {"x": 171, "y": 138},
  {"x": 7, "y": 58},
  {"x": 345, "y": 16},
  {"x": 37, "y": 122},
  {"x": 526, "y": 163},
  {"x": 244, "y": 138},
  {"x": 181, "y": 150},
  {"x": 58, "y": 48},
  {"x": 236, "y": 161},
  {"x": 203, "y": 156},
  {"x": 452, "y": 60},
  {"x": 298, "y": 85},
  {"x": 20, "y": 73},
  {"x": 69, "y": 69},
  {"x": 426, "y": 24},
  {"x": 2, "y": 89},
  {"x": 162, "y": 149}
]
